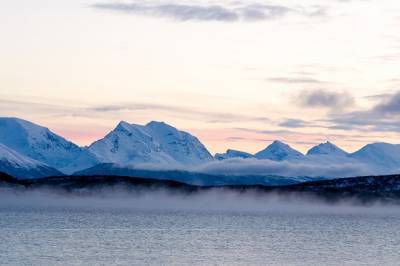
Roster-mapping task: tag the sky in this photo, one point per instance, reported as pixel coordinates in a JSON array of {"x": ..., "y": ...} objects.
[{"x": 237, "y": 74}]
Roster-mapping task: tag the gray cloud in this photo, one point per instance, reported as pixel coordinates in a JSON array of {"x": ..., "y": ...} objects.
[
  {"x": 212, "y": 12},
  {"x": 384, "y": 116},
  {"x": 324, "y": 99},
  {"x": 238, "y": 139},
  {"x": 175, "y": 11},
  {"x": 294, "y": 123},
  {"x": 378, "y": 97},
  {"x": 389, "y": 106}
]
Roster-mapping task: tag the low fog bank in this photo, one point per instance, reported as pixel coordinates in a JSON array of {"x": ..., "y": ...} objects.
[
  {"x": 263, "y": 167},
  {"x": 252, "y": 166},
  {"x": 215, "y": 200}
]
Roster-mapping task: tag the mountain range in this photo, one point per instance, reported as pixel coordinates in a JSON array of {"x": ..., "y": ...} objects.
[{"x": 28, "y": 150}]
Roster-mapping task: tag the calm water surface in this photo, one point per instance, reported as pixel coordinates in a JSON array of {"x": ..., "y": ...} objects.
[{"x": 96, "y": 236}]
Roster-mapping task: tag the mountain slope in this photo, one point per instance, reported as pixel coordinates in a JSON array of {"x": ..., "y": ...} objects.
[
  {"x": 40, "y": 144},
  {"x": 327, "y": 148},
  {"x": 329, "y": 154},
  {"x": 279, "y": 151},
  {"x": 21, "y": 166},
  {"x": 381, "y": 157},
  {"x": 155, "y": 142},
  {"x": 232, "y": 154}
]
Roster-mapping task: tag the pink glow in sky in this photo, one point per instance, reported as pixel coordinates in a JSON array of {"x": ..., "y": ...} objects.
[{"x": 239, "y": 79}]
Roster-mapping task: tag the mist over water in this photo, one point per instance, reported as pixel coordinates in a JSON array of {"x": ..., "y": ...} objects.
[
  {"x": 215, "y": 200},
  {"x": 118, "y": 227}
]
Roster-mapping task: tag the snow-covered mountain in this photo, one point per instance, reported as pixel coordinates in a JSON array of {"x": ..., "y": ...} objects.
[
  {"x": 154, "y": 143},
  {"x": 327, "y": 148},
  {"x": 232, "y": 154},
  {"x": 40, "y": 144},
  {"x": 382, "y": 158},
  {"x": 158, "y": 146},
  {"x": 17, "y": 165},
  {"x": 329, "y": 154},
  {"x": 279, "y": 151}
]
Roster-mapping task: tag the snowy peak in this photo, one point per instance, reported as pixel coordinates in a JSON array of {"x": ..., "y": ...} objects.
[
  {"x": 160, "y": 126},
  {"x": 122, "y": 125},
  {"x": 40, "y": 144},
  {"x": 155, "y": 142},
  {"x": 17, "y": 165},
  {"x": 180, "y": 145},
  {"x": 278, "y": 151},
  {"x": 327, "y": 148},
  {"x": 232, "y": 154}
]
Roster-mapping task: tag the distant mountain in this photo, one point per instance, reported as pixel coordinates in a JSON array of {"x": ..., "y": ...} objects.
[
  {"x": 327, "y": 148},
  {"x": 279, "y": 151},
  {"x": 193, "y": 178},
  {"x": 17, "y": 165},
  {"x": 155, "y": 142},
  {"x": 232, "y": 154},
  {"x": 158, "y": 145},
  {"x": 40, "y": 144},
  {"x": 381, "y": 157}
]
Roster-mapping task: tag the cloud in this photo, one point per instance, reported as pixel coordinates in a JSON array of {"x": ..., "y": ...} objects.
[
  {"x": 389, "y": 105},
  {"x": 262, "y": 140},
  {"x": 179, "y": 11},
  {"x": 134, "y": 107},
  {"x": 295, "y": 80},
  {"x": 324, "y": 99},
  {"x": 138, "y": 110},
  {"x": 388, "y": 58},
  {"x": 378, "y": 97},
  {"x": 384, "y": 116},
  {"x": 294, "y": 123},
  {"x": 251, "y": 166},
  {"x": 305, "y": 167},
  {"x": 312, "y": 138},
  {"x": 179, "y": 111}
]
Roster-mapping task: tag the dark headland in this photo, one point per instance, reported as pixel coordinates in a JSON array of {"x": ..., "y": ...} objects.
[{"x": 366, "y": 188}]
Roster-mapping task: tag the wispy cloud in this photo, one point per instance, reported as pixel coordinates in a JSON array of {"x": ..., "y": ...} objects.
[
  {"x": 291, "y": 80},
  {"x": 294, "y": 136},
  {"x": 122, "y": 111},
  {"x": 181, "y": 112},
  {"x": 185, "y": 11}
]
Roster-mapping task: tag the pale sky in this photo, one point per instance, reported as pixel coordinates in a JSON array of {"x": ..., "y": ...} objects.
[{"x": 237, "y": 74}]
